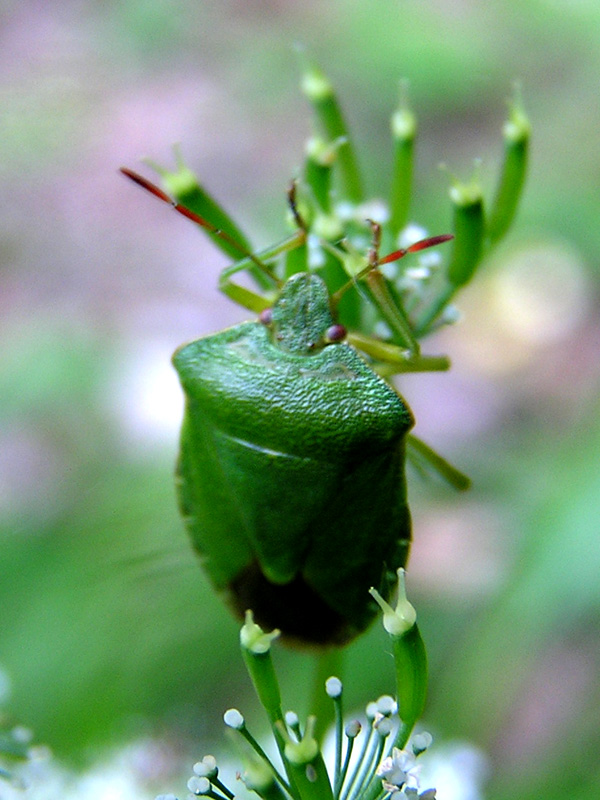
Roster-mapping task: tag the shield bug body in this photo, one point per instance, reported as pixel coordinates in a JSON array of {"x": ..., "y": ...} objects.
[{"x": 291, "y": 474}]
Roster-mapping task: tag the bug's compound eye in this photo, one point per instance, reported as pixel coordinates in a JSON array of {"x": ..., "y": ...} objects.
[
  {"x": 335, "y": 333},
  {"x": 266, "y": 317}
]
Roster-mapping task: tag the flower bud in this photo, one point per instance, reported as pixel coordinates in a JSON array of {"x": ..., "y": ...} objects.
[
  {"x": 256, "y": 646},
  {"x": 319, "y": 91},
  {"x": 404, "y": 129},
  {"x": 233, "y": 719},
  {"x": 306, "y": 763},
  {"x": 516, "y": 132},
  {"x": 410, "y": 657},
  {"x": 467, "y": 202}
]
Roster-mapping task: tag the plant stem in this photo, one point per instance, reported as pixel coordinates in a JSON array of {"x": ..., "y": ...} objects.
[{"x": 327, "y": 663}]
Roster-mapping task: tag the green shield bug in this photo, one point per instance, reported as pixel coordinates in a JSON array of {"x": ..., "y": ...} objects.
[{"x": 291, "y": 474}]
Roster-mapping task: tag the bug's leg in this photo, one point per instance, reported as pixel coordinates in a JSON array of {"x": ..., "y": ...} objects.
[
  {"x": 393, "y": 360},
  {"x": 296, "y": 258},
  {"x": 424, "y": 458},
  {"x": 381, "y": 292},
  {"x": 402, "y": 354},
  {"x": 246, "y": 297}
]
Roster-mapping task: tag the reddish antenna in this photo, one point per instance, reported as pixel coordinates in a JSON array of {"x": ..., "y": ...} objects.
[
  {"x": 422, "y": 244},
  {"x": 186, "y": 212}
]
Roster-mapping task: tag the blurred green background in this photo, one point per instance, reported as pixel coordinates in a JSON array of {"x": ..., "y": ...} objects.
[{"x": 108, "y": 631}]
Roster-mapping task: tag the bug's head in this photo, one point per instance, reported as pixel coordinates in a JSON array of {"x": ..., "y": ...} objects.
[{"x": 301, "y": 319}]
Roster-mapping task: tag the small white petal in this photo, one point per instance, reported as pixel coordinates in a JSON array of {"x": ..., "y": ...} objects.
[
  {"x": 198, "y": 785},
  {"x": 385, "y": 766},
  {"x": 451, "y": 315},
  {"x": 345, "y": 211},
  {"x": 410, "y": 234},
  {"x": 353, "y": 728},
  {"x": 389, "y": 271},
  {"x": 430, "y": 258},
  {"x": 233, "y": 719},
  {"x": 386, "y": 705},
  {"x": 377, "y": 210},
  {"x": 381, "y": 330},
  {"x": 208, "y": 766},
  {"x": 420, "y": 273},
  {"x": 291, "y": 719},
  {"x": 384, "y": 726},
  {"x": 421, "y": 741},
  {"x": 21, "y": 734}
]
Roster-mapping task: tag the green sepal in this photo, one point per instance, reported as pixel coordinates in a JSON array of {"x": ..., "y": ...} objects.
[
  {"x": 467, "y": 249},
  {"x": 258, "y": 777},
  {"x": 305, "y": 764},
  {"x": 410, "y": 657},
  {"x": 404, "y": 130},
  {"x": 424, "y": 458},
  {"x": 256, "y": 652},
  {"x": 385, "y": 300},
  {"x": 410, "y": 661},
  {"x": 320, "y": 92},
  {"x": 311, "y": 780},
  {"x": 320, "y": 156},
  {"x": 296, "y": 260},
  {"x": 516, "y": 132}
]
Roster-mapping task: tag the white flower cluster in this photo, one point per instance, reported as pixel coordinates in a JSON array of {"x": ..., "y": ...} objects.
[{"x": 400, "y": 772}]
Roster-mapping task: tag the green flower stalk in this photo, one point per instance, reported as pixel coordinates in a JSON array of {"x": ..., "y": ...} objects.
[
  {"x": 517, "y": 133},
  {"x": 410, "y": 658},
  {"x": 306, "y": 763},
  {"x": 319, "y": 91},
  {"x": 469, "y": 229},
  {"x": 404, "y": 131},
  {"x": 320, "y": 157},
  {"x": 256, "y": 650}
]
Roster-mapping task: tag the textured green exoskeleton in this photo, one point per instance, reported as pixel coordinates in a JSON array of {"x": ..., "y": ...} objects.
[{"x": 291, "y": 471}]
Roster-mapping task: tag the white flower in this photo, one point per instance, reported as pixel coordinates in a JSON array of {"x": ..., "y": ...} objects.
[
  {"x": 316, "y": 254},
  {"x": 399, "y": 770},
  {"x": 410, "y": 234}
]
